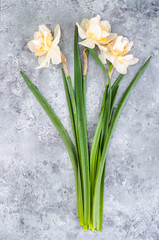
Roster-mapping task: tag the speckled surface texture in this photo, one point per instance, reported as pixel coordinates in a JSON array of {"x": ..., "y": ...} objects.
[{"x": 37, "y": 191}]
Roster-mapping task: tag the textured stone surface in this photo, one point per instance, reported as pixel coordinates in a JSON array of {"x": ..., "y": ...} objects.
[{"x": 37, "y": 192}]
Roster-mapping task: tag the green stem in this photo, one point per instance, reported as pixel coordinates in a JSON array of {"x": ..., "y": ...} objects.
[
  {"x": 84, "y": 159},
  {"x": 73, "y": 116},
  {"x": 70, "y": 105},
  {"x": 80, "y": 192}
]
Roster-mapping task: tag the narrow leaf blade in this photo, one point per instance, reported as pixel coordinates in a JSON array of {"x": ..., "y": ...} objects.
[{"x": 55, "y": 120}]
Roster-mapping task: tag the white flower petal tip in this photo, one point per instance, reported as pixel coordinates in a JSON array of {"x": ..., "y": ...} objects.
[
  {"x": 45, "y": 46},
  {"x": 57, "y": 34},
  {"x": 81, "y": 32},
  {"x": 116, "y": 54},
  {"x": 98, "y": 32},
  {"x": 88, "y": 43},
  {"x": 102, "y": 58}
]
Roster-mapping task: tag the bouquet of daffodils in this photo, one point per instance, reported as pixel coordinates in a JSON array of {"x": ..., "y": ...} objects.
[{"x": 112, "y": 50}]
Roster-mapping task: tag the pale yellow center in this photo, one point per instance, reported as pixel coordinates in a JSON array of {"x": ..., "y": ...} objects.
[
  {"x": 94, "y": 36},
  {"x": 117, "y": 52},
  {"x": 45, "y": 46}
]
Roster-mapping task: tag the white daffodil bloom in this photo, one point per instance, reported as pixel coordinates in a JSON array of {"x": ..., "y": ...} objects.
[
  {"x": 45, "y": 46},
  {"x": 95, "y": 32},
  {"x": 116, "y": 54}
]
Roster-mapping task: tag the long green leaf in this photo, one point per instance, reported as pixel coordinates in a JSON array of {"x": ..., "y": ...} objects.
[
  {"x": 73, "y": 101},
  {"x": 117, "y": 81},
  {"x": 104, "y": 97},
  {"x": 97, "y": 216},
  {"x": 55, "y": 120},
  {"x": 69, "y": 103},
  {"x": 110, "y": 131},
  {"x": 94, "y": 151},
  {"x": 72, "y": 110},
  {"x": 84, "y": 160},
  {"x": 80, "y": 198},
  {"x": 101, "y": 200}
]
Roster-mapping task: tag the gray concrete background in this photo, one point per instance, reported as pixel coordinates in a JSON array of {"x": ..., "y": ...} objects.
[{"x": 37, "y": 191}]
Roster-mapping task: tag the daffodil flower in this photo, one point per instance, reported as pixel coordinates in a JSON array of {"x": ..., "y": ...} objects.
[
  {"x": 95, "y": 32},
  {"x": 116, "y": 54},
  {"x": 45, "y": 46}
]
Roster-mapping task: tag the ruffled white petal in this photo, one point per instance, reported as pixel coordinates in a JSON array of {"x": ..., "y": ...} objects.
[
  {"x": 133, "y": 61},
  {"x": 107, "y": 55},
  {"x": 125, "y": 41},
  {"x": 81, "y": 32},
  {"x": 57, "y": 34},
  {"x": 95, "y": 30},
  {"x": 34, "y": 45},
  {"x": 102, "y": 58},
  {"x": 106, "y": 25},
  {"x": 118, "y": 44},
  {"x": 129, "y": 46},
  {"x": 95, "y": 19},
  {"x": 110, "y": 37},
  {"x": 43, "y": 29},
  {"x": 127, "y": 57},
  {"x": 104, "y": 34},
  {"x": 44, "y": 61},
  {"x": 83, "y": 24},
  {"x": 37, "y": 35},
  {"x": 88, "y": 43},
  {"x": 102, "y": 48},
  {"x": 121, "y": 63},
  {"x": 121, "y": 68},
  {"x": 55, "y": 55}
]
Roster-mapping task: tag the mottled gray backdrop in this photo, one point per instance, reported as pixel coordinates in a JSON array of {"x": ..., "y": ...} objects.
[{"x": 37, "y": 191}]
